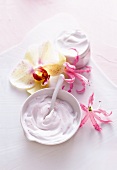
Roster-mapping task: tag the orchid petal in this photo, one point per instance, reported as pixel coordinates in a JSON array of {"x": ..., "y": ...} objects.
[
  {"x": 61, "y": 59},
  {"x": 47, "y": 54},
  {"x": 37, "y": 87},
  {"x": 32, "y": 55},
  {"x": 21, "y": 77},
  {"x": 56, "y": 68},
  {"x": 91, "y": 99}
]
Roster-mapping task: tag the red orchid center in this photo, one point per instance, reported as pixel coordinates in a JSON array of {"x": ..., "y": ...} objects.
[{"x": 41, "y": 74}]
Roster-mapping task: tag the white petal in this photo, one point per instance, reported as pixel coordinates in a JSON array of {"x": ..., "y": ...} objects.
[
  {"x": 21, "y": 76},
  {"x": 32, "y": 54},
  {"x": 56, "y": 68},
  {"x": 37, "y": 87},
  {"x": 47, "y": 54}
]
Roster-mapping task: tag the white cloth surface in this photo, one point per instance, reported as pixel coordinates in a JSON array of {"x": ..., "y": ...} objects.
[{"x": 87, "y": 149}]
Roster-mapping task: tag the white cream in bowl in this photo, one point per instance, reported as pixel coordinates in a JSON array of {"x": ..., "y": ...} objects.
[
  {"x": 67, "y": 41},
  {"x": 50, "y": 128}
]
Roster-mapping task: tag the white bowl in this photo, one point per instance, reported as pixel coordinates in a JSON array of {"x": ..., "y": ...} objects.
[{"x": 62, "y": 95}]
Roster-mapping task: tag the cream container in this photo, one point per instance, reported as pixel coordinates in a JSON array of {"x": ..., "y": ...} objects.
[{"x": 72, "y": 43}]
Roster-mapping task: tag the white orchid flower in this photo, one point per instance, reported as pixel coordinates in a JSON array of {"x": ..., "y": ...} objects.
[{"x": 38, "y": 65}]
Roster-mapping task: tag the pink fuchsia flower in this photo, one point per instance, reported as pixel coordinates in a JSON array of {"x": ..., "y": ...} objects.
[
  {"x": 73, "y": 73},
  {"x": 93, "y": 114},
  {"x": 34, "y": 71}
]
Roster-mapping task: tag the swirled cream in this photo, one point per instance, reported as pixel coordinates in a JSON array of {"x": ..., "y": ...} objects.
[
  {"x": 67, "y": 41},
  {"x": 49, "y": 127}
]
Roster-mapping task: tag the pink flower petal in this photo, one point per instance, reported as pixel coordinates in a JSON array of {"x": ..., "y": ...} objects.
[
  {"x": 87, "y": 70},
  {"x": 73, "y": 74},
  {"x": 97, "y": 127},
  {"x": 71, "y": 78},
  {"x": 71, "y": 87},
  {"x": 92, "y": 114},
  {"x": 76, "y": 58},
  {"x": 84, "y": 119},
  {"x": 84, "y": 81},
  {"x": 83, "y": 107},
  {"x": 81, "y": 78},
  {"x": 103, "y": 121},
  {"x": 103, "y": 112},
  {"x": 91, "y": 99},
  {"x": 63, "y": 87},
  {"x": 81, "y": 91},
  {"x": 69, "y": 67}
]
